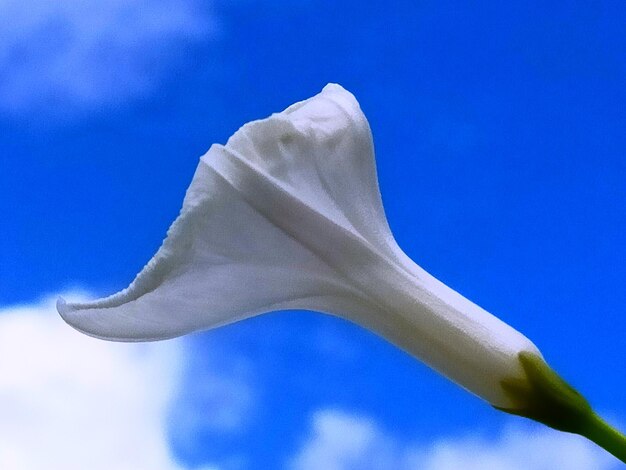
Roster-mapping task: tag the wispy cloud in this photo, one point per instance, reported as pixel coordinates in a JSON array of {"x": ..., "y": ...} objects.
[
  {"x": 342, "y": 441},
  {"x": 85, "y": 54},
  {"x": 216, "y": 404},
  {"x": 68, "y": 401}
]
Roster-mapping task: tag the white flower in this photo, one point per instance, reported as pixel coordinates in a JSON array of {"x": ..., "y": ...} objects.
[{"x": 288, "y": 215}]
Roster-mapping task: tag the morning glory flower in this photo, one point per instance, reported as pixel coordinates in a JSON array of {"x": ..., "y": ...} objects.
[{"x": 288, "y": 215}]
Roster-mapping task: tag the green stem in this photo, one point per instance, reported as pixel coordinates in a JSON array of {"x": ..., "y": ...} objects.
[
  {"x": 606, "y": 436},
  {"x": 542, "y": 395}
]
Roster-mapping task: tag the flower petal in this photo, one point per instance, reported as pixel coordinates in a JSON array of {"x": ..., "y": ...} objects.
[
  {"x": 258, "y": 229},
  {"x": 288, "y": 215},
  {"x": 321, "y": 150}
]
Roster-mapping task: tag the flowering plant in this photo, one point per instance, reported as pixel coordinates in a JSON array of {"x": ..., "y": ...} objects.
[{"x": 288, "y": 215}]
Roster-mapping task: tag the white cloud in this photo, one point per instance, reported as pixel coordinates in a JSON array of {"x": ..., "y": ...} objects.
[
  {"x": 83, "y": 54},
  {"x": 340, "y": 441},
  {"x": 222, "y": 398},
  {"x": 217, "y": 403},
  {"x": 71, "y": 402}
]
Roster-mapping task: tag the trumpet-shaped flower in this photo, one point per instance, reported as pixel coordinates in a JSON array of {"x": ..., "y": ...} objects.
[{"x": 288, "y": 215}]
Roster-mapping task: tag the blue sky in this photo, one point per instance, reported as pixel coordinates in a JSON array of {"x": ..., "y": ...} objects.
[{"x": 501, "y": 153}]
